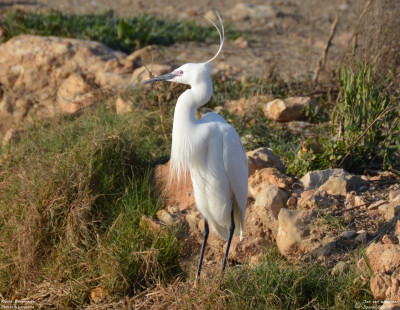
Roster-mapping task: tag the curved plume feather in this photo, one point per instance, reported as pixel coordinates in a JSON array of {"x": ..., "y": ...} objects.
[{"x": 221, "y": 36}]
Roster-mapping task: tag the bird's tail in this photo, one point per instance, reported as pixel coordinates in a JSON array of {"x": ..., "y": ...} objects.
[{"x": 239, "y": 219}]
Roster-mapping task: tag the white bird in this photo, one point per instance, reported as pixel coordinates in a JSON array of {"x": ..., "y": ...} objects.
[{"x": 211, "y": 150}]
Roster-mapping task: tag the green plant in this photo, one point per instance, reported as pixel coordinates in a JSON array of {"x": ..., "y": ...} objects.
[{"x": 123, "y": 34}]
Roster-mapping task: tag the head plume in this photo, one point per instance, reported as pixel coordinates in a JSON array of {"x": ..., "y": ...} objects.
[{"x": 221, "y": 36}]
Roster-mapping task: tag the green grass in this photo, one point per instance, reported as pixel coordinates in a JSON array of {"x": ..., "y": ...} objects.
[
  {"x": 277, "y": 283},
  {"x": 124, "y": 34},
  {"x": 72, "y": 194}
]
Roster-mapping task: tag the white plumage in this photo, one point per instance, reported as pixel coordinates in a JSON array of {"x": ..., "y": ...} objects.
[{"x": 211, "y": 150}]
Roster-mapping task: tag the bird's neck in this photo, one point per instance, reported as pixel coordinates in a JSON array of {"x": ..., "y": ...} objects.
[{"x": 185, "y": 125}]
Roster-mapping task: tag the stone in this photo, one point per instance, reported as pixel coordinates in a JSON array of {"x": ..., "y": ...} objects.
[
  {"x": 315, "y": 179},
  {"x": 243, "y": 251},
  {"x": 384, "y": 257},
  {"x": 348, "y": 234},
  {"x": 98, "y": 294},
  {"x": 335, "y": 186},
  {"x": 193, "y": 220},
  {"x": 165, "y": 217},
  {"x": 285, "y": 110},
  {"x": 268, "y": 176},
  {"x": 56, "y": 74},
  {"x": 269, "y": 202},
  {"x": 123, "y": 106},
  {"x": 241, "y": 43},
  {"x": 244, "y": 106},
  {"x": 387, "y": 239},
  {"x": 362, "y": 237},
  {"x": 293, "y": 237},
  {"x": 244, "y": 11},
  {"x": 340, "y": 268},
  {"x": 149, "y": 223},
  {"x": 380, "y": 284},
  {"x": 394, "y": 195},
  {"x": 144, "y": 73},
  {"x": 178, "y": 194},
  {"x": 313, "y": 199},
  {"x": 263, "y": 158},
  {"x": 11, "y": 136}
]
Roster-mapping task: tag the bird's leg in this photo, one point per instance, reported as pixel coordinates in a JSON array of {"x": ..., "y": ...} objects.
[
  {"x": 205, "y": 237},
  {"x": 231, "y": 230}
]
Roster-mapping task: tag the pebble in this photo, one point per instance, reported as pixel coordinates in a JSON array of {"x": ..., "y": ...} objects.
[
  {"x": 340, "y": 267},
  {"x": 348, "y": 234},
  {"x": 362, "y": 236}
]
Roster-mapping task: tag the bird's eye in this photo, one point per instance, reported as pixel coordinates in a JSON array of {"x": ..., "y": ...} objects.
[{"x": 178, "y": 72}]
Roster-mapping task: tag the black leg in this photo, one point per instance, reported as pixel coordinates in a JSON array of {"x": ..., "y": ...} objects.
[
  {"x": 205, "y": 237},
  {"x": 231, "y": 230}
]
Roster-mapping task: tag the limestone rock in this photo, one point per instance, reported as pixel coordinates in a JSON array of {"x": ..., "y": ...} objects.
[
  {"x": 269, "y": 202},
  {"x": 268, "y": 176},
  {"x": 315, "y": 179},
  {"x": 144, "y": 73},
  {"x": 123, "y": 106},
  {"x": 245, "y": 107},
  {"x": 380, "y": 285},
  {"x": 263, "y": 158},
  {"x": 293, "y": 238},
  {"x": 384, "y": 257},
  {"x": 290, "y": 109},
  {"x": 348, "y": 234},
  {"x": 312, "y": 199},
  {"x": 243, "y": 251}
]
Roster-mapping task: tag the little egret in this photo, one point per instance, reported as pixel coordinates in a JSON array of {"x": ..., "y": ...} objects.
[{"x": 211, "y": 150}]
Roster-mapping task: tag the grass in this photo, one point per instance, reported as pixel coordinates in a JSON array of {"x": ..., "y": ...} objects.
[
  {"x": 275, "y": 283},
  {"x": 125, "y": 34},
  {"x": 72, "y": 194}
]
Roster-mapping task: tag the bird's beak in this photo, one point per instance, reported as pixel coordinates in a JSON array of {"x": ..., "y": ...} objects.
[{"x": 164, "y": 77}]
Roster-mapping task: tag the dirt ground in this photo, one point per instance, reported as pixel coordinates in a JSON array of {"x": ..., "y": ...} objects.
[{"x": 288, "y": 42}]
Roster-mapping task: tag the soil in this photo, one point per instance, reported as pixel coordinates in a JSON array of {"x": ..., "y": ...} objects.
[{"x": 289, "y": 44}]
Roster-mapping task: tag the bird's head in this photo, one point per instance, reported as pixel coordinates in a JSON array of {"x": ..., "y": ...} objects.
[
  {"x": 192, "y": 73},
  {"x": 189, "y": 74}
]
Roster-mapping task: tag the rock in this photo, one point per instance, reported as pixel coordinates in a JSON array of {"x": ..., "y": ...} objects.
[
  {"x": 149, "y": 223},
  {"x": 263, "y": 158},
  {"x": 394, "y": 195},
  {"x": 290, "y": 109},
  {"x": 380, "y": 284},
  {"x": 74, "y": 94},
  {"x": 312, "y": 199},
  {"x": 293, "y": 238},
  {"x": 144, "y": 73},
  {"x": 181, "y": 194},
  {"x": 98, "y": 294},
  {"x": 245, "y": 107},
  {"x": 122, "y": 106},
  {"x": 335, "y": 186},
  {"x": 387, "y": 239},
  {"x": 348, "y": 234},
  {"x": 193, "y": 220},
  {"x": 362, "y": 237},
  {"x": 244, "y": 11},
  {"x": 268, "y": 176},
  {"x": 243, "y": 251},
  {"x": 340, "y": 267},
  {"x": 315, "y": 179},
  {"x": 241, "y": 43},
  {"x": 211, "y": 15},
  {"x": 11, "y": 136},
  {"x": 384, "y": 257},
  {"x": 165, "y": 217},
  {"x": 269, "y": 202},
  {"x": 389, "y": 210}
]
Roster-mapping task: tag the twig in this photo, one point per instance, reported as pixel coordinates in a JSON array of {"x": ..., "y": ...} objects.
[
  {"x": 352, "y": 208},
  {"x": 322, "y": 60}
]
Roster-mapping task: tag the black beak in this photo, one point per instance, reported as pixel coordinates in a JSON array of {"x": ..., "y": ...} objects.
[{"x": 161, "y": 78}]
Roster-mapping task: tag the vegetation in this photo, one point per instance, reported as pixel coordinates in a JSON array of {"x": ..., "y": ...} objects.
[{"x": 123, "y": 34}]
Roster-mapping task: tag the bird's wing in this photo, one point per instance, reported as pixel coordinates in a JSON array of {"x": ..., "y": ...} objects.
[{"x": 235, "y": 162}]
